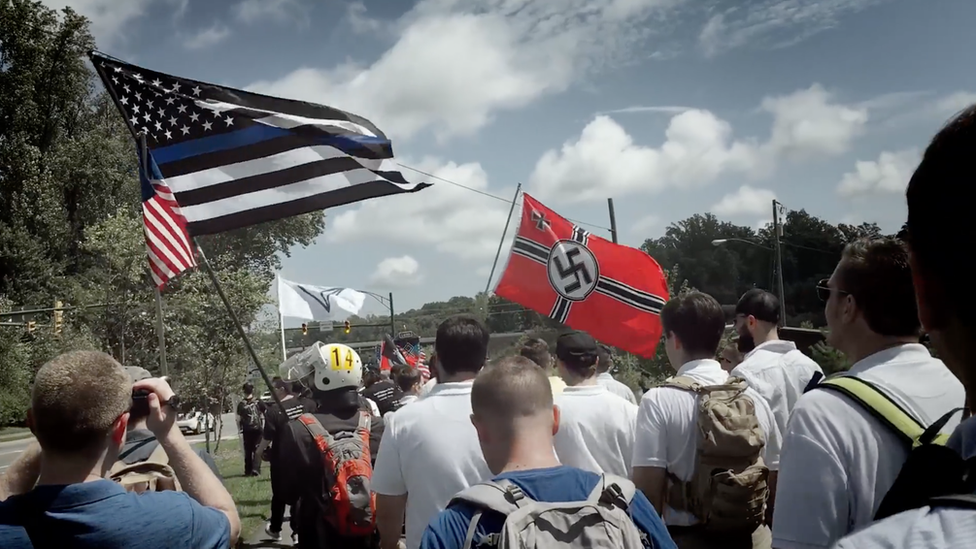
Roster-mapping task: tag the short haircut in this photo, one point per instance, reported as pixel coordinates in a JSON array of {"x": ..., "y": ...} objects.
[
  {"x": 248, "y": 388},
  {"x": 760, "y": 304},
  {"x": 537, "y": 350},
  {"x": 606, "y": 359},
  {"x": 697, "y": 320},
  {"x": 877, "y": 273},
  {"x": 462, "y": 344},
  {"x": 76, "y": 399},
  {"x": 509, "y": 389},
  {"x": 939, "y": 215},
  {"x": 406, "y": 377}
]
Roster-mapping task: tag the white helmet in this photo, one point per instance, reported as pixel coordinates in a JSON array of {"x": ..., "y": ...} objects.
[{"x": 324, "y": 367}]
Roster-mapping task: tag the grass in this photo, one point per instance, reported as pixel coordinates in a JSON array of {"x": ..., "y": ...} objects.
[
  {"x": 14, "y": 433},
  {"x": 251, "y": 494}
]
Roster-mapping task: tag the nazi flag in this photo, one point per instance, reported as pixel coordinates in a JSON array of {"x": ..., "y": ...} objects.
[{"x": 585, "y": 282}]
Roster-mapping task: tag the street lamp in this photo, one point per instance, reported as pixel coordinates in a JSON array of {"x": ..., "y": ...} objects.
[
  {"x": 779, "y": 270},
  {"x": 384, "y": 300}
]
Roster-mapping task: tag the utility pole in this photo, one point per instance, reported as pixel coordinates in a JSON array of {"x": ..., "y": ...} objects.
[
  {"x": 777, "y": 233},
  {"x": 392, "y": 321},
  {"x": 613, "y": 221}
]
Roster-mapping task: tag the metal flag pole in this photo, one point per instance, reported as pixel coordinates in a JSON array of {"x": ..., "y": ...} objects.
[
  {"x": 281, "y": 322},
  {"x": 237, "y": 324},
  {"x": 392, "y": 318},
  {"x": 160, "y": 330},
  {"x": 777, "y": 233},
  {"x": 613, "y": 221},
  {"x": 501, "y": 242}
]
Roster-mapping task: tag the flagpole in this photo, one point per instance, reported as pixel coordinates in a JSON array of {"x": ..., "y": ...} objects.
[
  {"x": 281, "y": 323},
  {"x": 160, "y": 330},
  {"x": 501, "y": 242},
  {"x": 237, "y": 324}
]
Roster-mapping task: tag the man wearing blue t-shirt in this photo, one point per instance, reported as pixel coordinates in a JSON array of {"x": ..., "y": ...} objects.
[
  {"x": 79, "y": 411},
  {"x": 513, "y": 412}
]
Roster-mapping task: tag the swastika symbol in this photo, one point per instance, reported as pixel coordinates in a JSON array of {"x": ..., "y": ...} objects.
[{"x": 573, "y": 270}]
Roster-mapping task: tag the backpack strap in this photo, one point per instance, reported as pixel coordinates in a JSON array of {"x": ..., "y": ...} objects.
[
  {"x": 684, "y": 382},
  {"x": 501, "y": 496},
  {"x": 888, "y": 411},
  {"x": 613, "y": 490},
  {"x": 965, "y": 501},
  {"x": 814, "y": 381}
]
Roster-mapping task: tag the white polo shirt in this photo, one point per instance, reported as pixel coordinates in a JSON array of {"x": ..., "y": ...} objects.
[
  {"x": 430, "y": 451},
  {"x": 779, "y": 372},
  {"x": 667, "y": 424},
  {"x": 939, "y": 528},
  {"x": 839, "y": 460},
  {"x": 596, "y": 430},
  {"x": 616, "y": 387}
]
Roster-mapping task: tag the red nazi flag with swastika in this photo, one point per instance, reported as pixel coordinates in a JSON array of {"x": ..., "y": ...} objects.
[{"x": 585, "y": 282}]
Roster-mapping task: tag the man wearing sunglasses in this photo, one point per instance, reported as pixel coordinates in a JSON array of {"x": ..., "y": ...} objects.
[{"x": 839, "y": 459}]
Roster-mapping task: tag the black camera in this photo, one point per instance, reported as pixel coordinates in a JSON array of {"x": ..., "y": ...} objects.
[{"x": 140, "y": 403}]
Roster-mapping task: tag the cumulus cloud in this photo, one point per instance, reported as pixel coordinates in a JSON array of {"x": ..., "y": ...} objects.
[
  {"x": 745, "y": 201},
  {"x": 397, "y": 272},
  {"x": 445, "y": 217},
  {"x": 645, "y": 224},
  {"x": 260, "y": 11},
  {"x": 888, "y": 174},
  {"x": 108, "y": 17},
  {"x": 456, "y": 64},
  {"x": 699, "y": 147}
]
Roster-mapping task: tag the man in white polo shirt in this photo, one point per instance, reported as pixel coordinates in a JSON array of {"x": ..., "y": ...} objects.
[
  {"x": 935, "y": 211},
  {"x": 596, "y": 430},
  {"x": 430, "y": 449},
  {"x": 838, "y": 459},
  {"x": 667, "y": 421},
  {"x": 604, "y": 378},
  {"x": 776, "y": 369}
]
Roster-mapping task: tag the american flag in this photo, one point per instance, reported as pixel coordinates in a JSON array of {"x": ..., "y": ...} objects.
[
  {"x": 234, "y": 158},
  {"x": 167, "y": 242}
]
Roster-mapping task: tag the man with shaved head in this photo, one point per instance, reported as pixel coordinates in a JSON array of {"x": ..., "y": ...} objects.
[
  {"x": 79, "y": 411},
  {"x": 513, "y": 413}
]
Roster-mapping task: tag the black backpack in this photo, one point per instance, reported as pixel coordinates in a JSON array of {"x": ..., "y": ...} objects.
[
  {"x": 250, "y": 416},
  {"x": 932, "y": 470}
]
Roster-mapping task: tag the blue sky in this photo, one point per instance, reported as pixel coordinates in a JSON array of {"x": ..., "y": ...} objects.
[{"x": 671, "y": 107}]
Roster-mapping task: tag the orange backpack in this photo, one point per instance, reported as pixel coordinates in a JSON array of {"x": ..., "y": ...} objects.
[{"x": 348, "y": 476}]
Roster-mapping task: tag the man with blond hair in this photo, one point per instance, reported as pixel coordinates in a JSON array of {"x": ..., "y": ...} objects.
[{"x": 79, "y": 411}]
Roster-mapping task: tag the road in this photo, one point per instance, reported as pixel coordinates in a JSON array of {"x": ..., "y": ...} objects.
[{"x": 10, "y": 450}]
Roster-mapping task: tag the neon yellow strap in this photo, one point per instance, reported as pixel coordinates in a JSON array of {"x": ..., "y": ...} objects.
[{"x": 881, "y": 406}]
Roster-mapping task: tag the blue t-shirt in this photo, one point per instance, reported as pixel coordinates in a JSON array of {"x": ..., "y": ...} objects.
[
  {"x": 101, "y": 514},
  {"x": 556, "y": 484}
]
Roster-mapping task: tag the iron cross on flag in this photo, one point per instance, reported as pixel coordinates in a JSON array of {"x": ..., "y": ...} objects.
[{"x": 556, "y": 268}]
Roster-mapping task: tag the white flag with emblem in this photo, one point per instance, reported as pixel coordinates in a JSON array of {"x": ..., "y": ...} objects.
[{"x": 317, "y": 302}]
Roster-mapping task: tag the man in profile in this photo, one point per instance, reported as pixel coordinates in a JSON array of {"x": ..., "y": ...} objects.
[{"x": 79, "y": 410}]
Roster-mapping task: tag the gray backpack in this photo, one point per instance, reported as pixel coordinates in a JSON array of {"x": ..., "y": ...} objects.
[{"x": 600, "y": 521}]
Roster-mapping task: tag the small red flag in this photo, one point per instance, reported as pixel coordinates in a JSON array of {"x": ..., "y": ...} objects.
[{"x": 585, "y": 282}]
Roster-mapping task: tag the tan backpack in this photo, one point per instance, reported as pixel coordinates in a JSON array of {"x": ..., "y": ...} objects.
[
  {"x": 152, "y": 475},
  {"x": 728, "y": 490}
]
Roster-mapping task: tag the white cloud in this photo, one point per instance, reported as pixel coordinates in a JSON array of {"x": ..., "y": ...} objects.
[
  {"x": 774, "y": 23},
  {"x": 745, "y": 201},
  {"x": 397, "y": 272},
  {"x": 698, "y": 149},
  {"x": 661, "y": 109},
  {"x": 207, "y": 37},
  {"x": 443, "y": 217},
  {"x": 260, "y": 11},
  {"x": 888, "y": 174},
  {"x": 360, "y": 22},
  {"x": 954, "y": 103},
  {"x": 456, "y": 64},
  {"x": 108, "y": 17}
]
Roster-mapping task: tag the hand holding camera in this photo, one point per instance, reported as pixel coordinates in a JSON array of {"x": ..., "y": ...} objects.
[{"x": 163, "y": 404}]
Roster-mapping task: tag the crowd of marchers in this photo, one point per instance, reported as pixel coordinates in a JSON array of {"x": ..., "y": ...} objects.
[{"x": 746, "y": 447}]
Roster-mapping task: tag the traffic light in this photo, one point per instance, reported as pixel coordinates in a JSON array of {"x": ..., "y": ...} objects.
[
  {"x": 347, "y": 327},
  {"x": 304, "y": 329},
  {"x": 30, "y": 326},
  {"x": 58, "y": 318}
]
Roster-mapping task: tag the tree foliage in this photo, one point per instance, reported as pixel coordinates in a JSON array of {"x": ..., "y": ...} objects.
[{"x": 71, "y": 229}]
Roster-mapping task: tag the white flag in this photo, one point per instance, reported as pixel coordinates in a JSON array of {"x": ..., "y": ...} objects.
[{"x": 317, "y": 302}]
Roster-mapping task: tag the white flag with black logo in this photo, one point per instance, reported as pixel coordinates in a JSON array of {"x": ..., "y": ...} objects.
[{"x": 317, "y": 302}]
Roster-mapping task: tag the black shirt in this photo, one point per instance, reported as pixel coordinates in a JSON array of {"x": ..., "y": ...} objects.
[
  {"x": 385, "y": 394},
  {"x": 301, "y": 471},
  {"x": 275, "y": 421}
]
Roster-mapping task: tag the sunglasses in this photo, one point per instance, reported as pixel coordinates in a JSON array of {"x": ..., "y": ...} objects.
[{"x": 823, "y": 290}]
